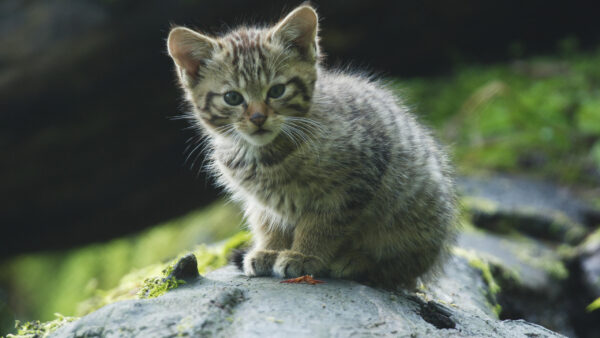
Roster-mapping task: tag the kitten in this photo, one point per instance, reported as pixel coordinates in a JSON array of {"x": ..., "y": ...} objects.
[{"x": 335, "y": 175}]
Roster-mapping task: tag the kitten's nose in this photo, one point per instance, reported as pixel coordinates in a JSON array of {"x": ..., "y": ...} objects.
[{"x": 258, "y": 119}]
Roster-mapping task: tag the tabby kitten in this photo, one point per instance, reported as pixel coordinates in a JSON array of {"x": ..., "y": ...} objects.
[{"x": 336, "y": 177}]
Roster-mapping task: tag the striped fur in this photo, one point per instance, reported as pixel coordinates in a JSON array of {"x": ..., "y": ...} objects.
[{"x": 344, "y": 182}]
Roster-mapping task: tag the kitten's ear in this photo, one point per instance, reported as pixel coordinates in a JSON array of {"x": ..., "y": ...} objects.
[
  {"x": 299, "y": 28},
  {"x": 189, "y": 49}
]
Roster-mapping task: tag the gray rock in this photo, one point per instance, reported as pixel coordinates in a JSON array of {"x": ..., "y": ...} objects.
[
  {"x": 591, "y": 271},
  {"x": 512, "y": 192},
  {"x": 589, "y": 260},
  {"x": 540, "y": 209},
  {"x": 228, "y": 304},
  {"x": 531, "y": 277},
  {"x": 186, "y": 268}
]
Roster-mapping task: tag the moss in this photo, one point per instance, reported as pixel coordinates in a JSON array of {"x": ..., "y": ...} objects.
[
  {"x": 493, "y": 288},
  {"x": 595, "y": 305},
  {"x": 486, "y": 273},
  {"x": 43, "y": 283},
  {"x": 497, "y": 309},
  {"x": 183, "y": 326},
  {"x": 554, "y": 225},
  {"x": 528, "y": 252},
  {"x": 215, "y": 256},
  {"x": 555, "y": 268},
  {"x": 157, "y": 286},
  {"x": 592, "y": 240},
  {"x": 149, "y": 282},
  {"x": 479, "y": 204},
  {"x": 152, "y": 280},
  {"x": 37, "y": 329},
  {"x": 208, "y": 257},
  {"x": 566, "y": 252}
]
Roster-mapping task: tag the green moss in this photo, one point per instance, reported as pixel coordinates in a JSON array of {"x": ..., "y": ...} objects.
[
  {"x": 127, "y": 288},
  {"x": 555, "y": 268},
  {"x": 529, "y": 253},
  {"x": 592, "y": 240},
  {"x": 208, "y": 257},
  {"x": 493, "y": 288},
  {"x": 553, "y": 225},
  {"x": 483, "y": 266},
  {"x": 49, "y": 282},
  {"x": 152, "y": 280},
  {"x": 497, "y": 309},
  {"x": 215, "y": 256},
  {"x": 157, "y": 286},
  {"x": 566, "y": 252},
  {"x": 595, "y": 305},
  {"x": 37, "y": 329},
  {"x": 479, "y": 204},
  {"x": 149, "y": 282}
]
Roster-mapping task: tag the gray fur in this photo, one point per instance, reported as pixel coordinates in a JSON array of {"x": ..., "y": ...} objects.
[{"x": 346, "y": 182}]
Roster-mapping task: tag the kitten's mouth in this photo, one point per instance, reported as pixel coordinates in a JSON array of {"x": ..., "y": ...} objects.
[
  {"x": 260, "y": 136},
  {"x": 261, "y": 132}
]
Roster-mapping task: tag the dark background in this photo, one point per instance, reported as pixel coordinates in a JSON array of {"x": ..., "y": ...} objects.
[{"x": 89, "y": 149}]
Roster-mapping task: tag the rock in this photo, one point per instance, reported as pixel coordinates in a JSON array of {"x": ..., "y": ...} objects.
[
  {"x": 227, "y": 303},
  {"x": 530, "y": 277},
  {"x": 587, "y": 263},
  {"x": 532, "y": 256},
  {"x": 540, "y": 209},
  {"x": 185, "y": 269},
  {"x": 589, "y": 257},
  {"x": 591, "y": 269}
]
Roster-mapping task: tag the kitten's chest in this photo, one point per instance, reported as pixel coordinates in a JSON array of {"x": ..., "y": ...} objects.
[
  {"x": 282, "y": 189},
  {"x": 285, "y": 189}
]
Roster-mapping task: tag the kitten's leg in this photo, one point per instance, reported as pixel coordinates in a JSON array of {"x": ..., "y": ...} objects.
[
  {"x": 268, "y": 242},
  {"x": 351, "y": 265},
  {"x": 313, "y": 248}
]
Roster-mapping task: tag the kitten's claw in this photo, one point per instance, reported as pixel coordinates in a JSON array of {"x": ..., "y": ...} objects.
[
  {"x": 259, "y": 262},
  {"x": 293, "y": 264}
]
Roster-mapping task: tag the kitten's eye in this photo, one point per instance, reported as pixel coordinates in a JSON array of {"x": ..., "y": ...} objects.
[
  {"x": 233, "y": 98},
  {"x": 276, "y": 91}
]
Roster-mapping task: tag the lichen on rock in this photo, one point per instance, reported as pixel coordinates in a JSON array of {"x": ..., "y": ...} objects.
[
  {"x": 37, "y": 329},
  {"x": 157, "y": 286},
  {"x": 483, "y": 266}
]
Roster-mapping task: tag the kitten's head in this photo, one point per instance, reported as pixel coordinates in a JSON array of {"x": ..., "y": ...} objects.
[{"x": 247, "y": 83}]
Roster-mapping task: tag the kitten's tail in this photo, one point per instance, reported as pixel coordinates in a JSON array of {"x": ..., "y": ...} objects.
[{"x": 237, "y": 258}]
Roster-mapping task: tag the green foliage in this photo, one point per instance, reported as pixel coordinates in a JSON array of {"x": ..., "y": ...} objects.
[
  {"x": 541, "y": 114},
  {"x": 143, "y": 283},
  {"x": 45, "y": 283}
]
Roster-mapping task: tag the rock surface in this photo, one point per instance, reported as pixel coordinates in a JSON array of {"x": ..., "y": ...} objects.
[
  {"x": 226, "y": 303},
  {"x": 517, "y": 193},
  {"x": 530, "y": 275},
  {"x": 589, "y": 263},
  {"x": 502, "y": 203}
]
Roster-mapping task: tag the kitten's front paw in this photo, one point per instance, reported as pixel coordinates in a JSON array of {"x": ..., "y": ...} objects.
[
  {"x": 259, "y": 262},
  {"x": 293, "y": 264}
]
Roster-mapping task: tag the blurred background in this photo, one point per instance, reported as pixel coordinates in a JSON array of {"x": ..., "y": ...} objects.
[{"x": 98, "y": 178}]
